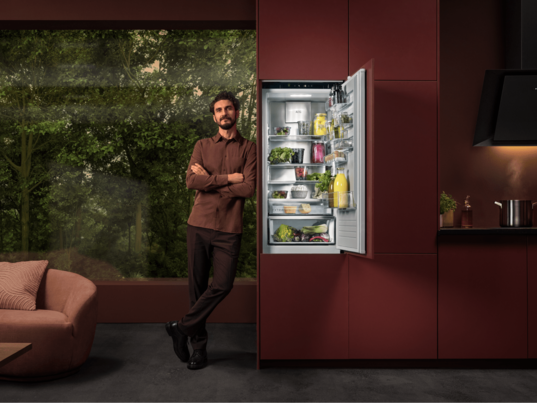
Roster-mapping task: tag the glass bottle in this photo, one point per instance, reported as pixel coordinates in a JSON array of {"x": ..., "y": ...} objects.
[
  {"x": 466, "y": 216},
  {"x": 331, "y": 188},
  {"x": 341, "y": 187}
]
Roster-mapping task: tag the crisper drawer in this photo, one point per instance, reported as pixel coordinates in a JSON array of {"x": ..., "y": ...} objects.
[{"x": 296, "y": 225}]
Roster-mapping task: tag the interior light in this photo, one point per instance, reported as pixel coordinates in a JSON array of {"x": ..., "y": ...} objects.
[{"x": 300, "y": 95}]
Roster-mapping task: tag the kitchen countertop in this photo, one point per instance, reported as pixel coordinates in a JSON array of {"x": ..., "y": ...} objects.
[{"x": 489, "y": 231}]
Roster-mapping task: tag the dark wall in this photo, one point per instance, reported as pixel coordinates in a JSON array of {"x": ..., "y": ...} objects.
[
  {"x": 132, "y": 14},
  {"x": 471, "y": 41}
]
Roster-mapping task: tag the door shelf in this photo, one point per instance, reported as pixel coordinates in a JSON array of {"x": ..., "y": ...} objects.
[
  {"x": 337, "y": 107},
  {"x": 298, "y": 138}
]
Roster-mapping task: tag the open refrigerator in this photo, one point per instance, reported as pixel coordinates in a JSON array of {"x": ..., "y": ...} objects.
[{"x": 284, "y": 104}]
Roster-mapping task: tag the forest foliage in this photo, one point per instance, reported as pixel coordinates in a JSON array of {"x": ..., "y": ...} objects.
[{"x": 96, "y": 133}]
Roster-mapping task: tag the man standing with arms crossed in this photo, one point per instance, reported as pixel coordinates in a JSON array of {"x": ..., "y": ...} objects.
[{"x": 223, "y": 171}]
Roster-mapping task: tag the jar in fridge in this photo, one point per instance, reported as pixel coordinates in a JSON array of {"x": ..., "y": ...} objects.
[
  {"x": 319, "y": 124},
  {"x": 317, "y": 152}
]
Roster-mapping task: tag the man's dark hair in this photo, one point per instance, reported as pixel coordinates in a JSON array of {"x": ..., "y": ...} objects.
[{"x": 225, "y": 95}]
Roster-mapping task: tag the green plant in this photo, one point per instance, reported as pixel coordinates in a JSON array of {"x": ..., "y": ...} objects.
[
  {"x": 281, "y": 154},
  {"x": 447, "y": 202}
]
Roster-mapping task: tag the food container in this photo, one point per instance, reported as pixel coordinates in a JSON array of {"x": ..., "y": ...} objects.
[
  {"x": 289, "y": 209},
  {"x": 338, "y": 156},
  {"x": 515, "y": 213},
  {"x": 304, "y": 128},
  {"x": 345, "y": 119},
  {"x": 317, "y": 152},
  {"x": 319, "y": 124},
  {"x": 299, "y": 194},
  {"x": 279, "y": 194},
  {"x": 282, "y": 131},
  {"x": 300, "y": 173},
  {"x": 298, "y": 156}
]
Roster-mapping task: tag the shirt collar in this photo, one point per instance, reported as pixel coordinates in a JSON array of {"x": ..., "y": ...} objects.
[{"x": 237, "y": 137}]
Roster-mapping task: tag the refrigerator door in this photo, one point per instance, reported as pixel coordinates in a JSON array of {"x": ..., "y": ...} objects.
[{"x": 351, "y": 223}]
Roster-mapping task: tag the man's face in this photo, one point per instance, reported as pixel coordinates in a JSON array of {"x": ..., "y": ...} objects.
[{"x": 225, "y": 114}]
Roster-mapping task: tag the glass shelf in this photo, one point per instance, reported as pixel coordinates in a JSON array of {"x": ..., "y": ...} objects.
[
  {"x": 308, "y": 164},
  {"x": 337, "y": 107},
  {"x": 345, "y": 144},
  {"x": 293, "y": 182},
  {"x": 291, "y": 200},
  {"x": 298, "y": 138}
]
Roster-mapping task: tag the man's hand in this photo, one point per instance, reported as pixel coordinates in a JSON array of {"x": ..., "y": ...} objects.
[
  {"x": 235, "y": 178},
  {"x": 199, "y": 170}
]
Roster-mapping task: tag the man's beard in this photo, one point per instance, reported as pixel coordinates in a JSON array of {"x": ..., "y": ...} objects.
[{"x": 228, "y": 125}]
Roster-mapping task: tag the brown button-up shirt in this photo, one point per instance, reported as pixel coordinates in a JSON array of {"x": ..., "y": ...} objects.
[{"x": 218, "y": 204}]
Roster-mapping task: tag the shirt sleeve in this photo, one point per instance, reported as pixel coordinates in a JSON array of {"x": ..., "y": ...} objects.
[
  {"x": 204, "y": 183},
  {"x": 247, "y": 188}
]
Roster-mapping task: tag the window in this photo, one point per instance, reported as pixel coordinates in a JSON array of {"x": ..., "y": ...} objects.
[{"x": 96, "y": 133}]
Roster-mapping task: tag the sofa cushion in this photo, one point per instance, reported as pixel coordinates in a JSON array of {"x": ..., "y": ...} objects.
[
  {"x": 19, "y": 283},
  {"x": 51, "y": 335}
]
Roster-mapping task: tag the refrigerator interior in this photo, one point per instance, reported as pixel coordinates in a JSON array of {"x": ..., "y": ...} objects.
[{"x": 343, "y": 224}]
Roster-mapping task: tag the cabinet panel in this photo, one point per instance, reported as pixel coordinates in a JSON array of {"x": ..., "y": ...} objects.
[
  {"x": 297, "y": 40},
  {"x": 532, "y": 296},
  {"x": 392, "y": 307},
  {"x": 303, "y": 307},
  {"x": 482, "y": 297},
  {"x": 399, "y": 35},
  {"x": 405, "y": 170}
]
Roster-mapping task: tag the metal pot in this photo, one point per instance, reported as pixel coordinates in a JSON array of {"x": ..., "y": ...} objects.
[{"x": 515, "y": 213}]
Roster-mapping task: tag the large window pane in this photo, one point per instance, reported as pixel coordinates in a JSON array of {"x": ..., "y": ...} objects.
[{"x": 96, "y": 132}]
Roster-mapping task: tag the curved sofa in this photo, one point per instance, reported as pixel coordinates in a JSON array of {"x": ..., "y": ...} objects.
[{"x": 61, "y": 330}]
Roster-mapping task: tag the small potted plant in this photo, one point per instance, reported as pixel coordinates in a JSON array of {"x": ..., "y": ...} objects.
[
  {"x": 447, "y": 206},
  {"x": 281, "y": 155}
]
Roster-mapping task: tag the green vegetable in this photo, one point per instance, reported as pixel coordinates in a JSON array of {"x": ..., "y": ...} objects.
[
  {"x": 314, "y": 176},
  {"x": 447, "y": 202},
  {"x": 315, "y": 229},
  {"x": 281, "y": 154},
  {"x": 284, "y": 233},
  {"x": 278, "y": 195},
  {"x": 325, "y": 181}
]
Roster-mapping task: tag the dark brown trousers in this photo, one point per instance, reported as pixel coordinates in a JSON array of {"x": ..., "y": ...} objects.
[{"x": 202, "y": 244}]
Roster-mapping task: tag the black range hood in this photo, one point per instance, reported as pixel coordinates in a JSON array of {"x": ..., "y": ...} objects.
[{"x": 508, "y": 109}]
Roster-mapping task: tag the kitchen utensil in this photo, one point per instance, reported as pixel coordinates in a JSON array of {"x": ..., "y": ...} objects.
[
  {"x": 298, "y": 157},
  {"x": 515, "y": 213}
]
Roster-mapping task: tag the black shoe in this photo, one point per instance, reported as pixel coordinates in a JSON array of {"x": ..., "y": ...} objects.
[
  {"x": 179, "y": 341},
  {"x": 198, "y": 360}
]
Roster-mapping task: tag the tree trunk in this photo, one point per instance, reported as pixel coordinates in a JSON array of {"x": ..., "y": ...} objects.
[
  {"x": 138, "y": 234},
  {"x": 25, "y": 221},
  {"x": 78, "y": 227}
]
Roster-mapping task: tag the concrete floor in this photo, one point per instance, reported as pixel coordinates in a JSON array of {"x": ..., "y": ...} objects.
[{"x": 135, "y": 362}]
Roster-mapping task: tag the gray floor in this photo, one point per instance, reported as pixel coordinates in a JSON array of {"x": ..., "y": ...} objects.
[{"x": 135, "y": 362}]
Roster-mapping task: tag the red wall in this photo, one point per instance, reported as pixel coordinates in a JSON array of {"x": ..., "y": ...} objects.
[{"x": 471, "y": 41}]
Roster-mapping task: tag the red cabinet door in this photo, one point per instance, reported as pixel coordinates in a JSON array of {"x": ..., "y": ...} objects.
[
  {"x": 303, "y": 305},
  {"x": 532, "y": 297},
  {"x": 405, "y": 166},
  {"x": 392, "y": 307},
  {"x": 399, "y": 35},
  {"x": 303, "y": 40},
  {"x": 482, "y": 296}
]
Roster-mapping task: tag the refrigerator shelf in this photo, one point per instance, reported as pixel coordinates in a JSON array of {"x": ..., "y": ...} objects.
[
  {"x": 291, "y": 200},
  {"x": 337, "y": 107},
  {"x": 309, "y": 164},
  {"x": 298, "y": 138},
  {"x": 292, "y": 182}
]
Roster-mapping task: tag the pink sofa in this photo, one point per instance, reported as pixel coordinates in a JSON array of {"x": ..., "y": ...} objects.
[{"x": 61, "y": 330}]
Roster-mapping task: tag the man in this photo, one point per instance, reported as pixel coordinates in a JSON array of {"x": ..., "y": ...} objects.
[{"x": 223, "y": 171}]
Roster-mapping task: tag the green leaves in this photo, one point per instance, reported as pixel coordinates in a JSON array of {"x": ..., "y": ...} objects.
[
  {"x": 447, "y": 202},
  {"x": 281, "y": 154}
]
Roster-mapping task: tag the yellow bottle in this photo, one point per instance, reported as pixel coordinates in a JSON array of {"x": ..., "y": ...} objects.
[
  {"x": 341, "y": 186},
  {"x": 319, "y": 124}
]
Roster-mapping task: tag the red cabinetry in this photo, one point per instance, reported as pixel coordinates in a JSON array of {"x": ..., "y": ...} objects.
[
  {"x": 532, "y": 296},
  {"x": 399, "y": 35},
  {"x": 482, "y": 296},
  {"x": 303, "y": 40},
  {"x": 392, "y": 307},
  {"x": 303, "y": 303},
  {"x": 405, "y": 170}
]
